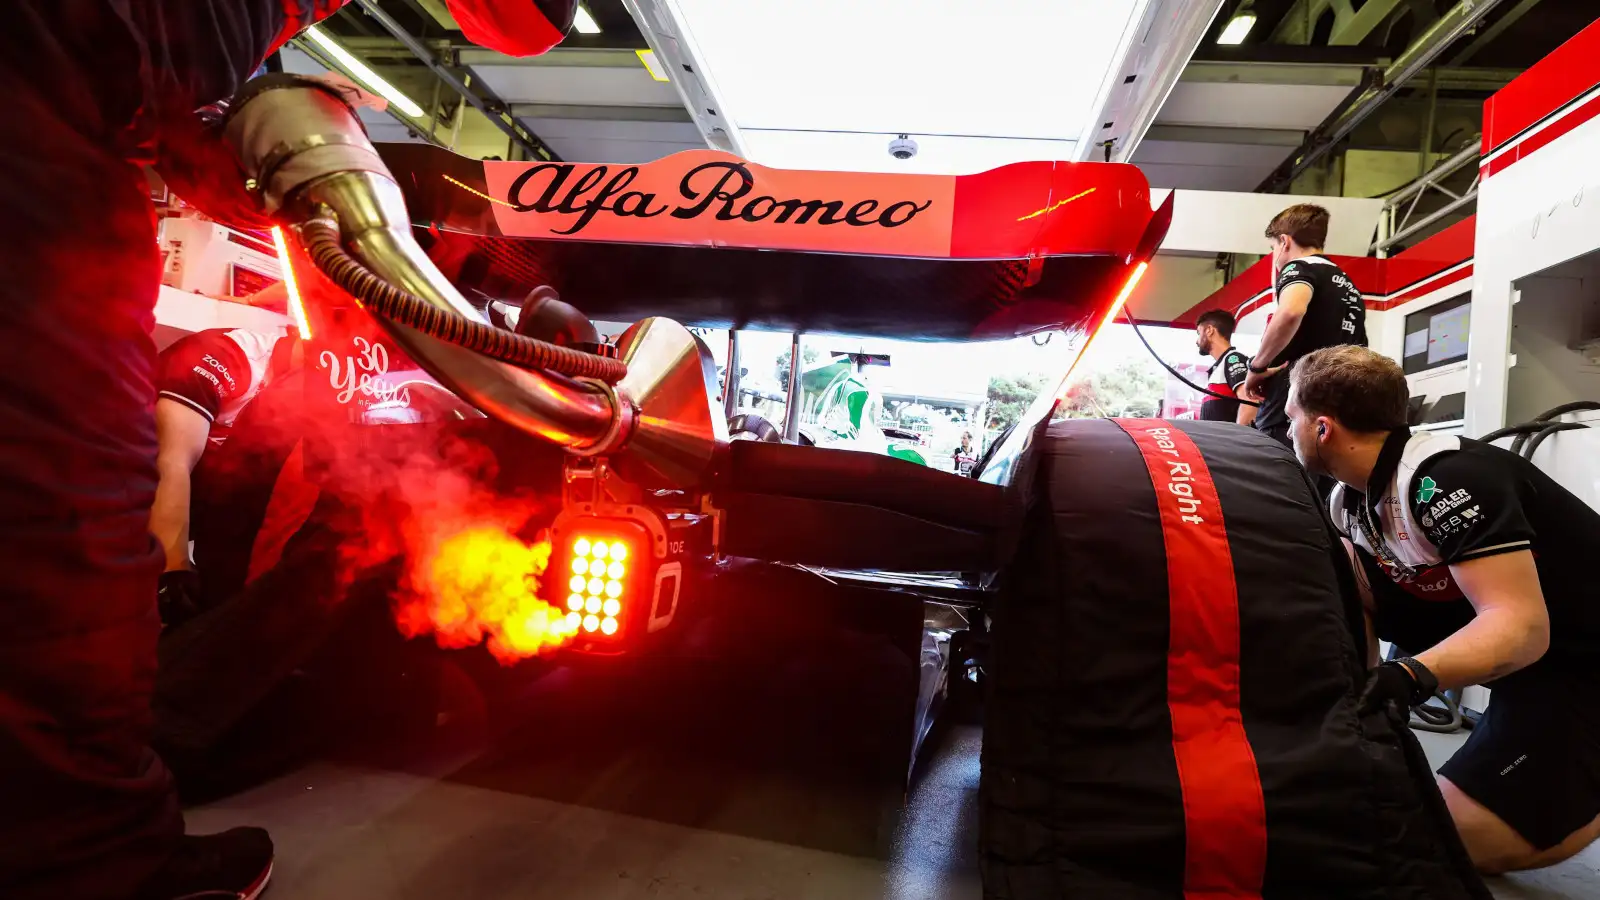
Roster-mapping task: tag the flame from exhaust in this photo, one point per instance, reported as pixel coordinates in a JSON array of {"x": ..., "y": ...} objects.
[{"x": 483, "y": 583}]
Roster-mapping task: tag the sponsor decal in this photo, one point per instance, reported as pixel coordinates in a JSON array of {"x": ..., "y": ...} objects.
[
  {"x": 706, "y": 198},
  {"x": 720, "y": 189},
  {"x": 211, "y": 361},
  {"x": 1433, "y": 583},
  {"x": 1459, "y": 522},
  {"x": 1426, "y": 490},
  {"x": 1397, "y": 519},
  {"x": 364, "y": 374},
  {"x": 209, "y": 377},
  {"x": 1449, "y": 503}
]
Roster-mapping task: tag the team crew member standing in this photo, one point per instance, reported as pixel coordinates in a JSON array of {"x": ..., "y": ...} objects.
[
  {"x": 94, "y": 88},
  {"x": 204, "y": 381},
  {"x": 1214, "y": 338},
  {"x": 1318, "y": 306},
  {"x": 1476, "y": 555}
]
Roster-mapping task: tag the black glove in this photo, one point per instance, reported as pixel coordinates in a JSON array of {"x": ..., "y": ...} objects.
[
  {"x": 178, "y": 596},
  {"x": 1406, "y": 682}
]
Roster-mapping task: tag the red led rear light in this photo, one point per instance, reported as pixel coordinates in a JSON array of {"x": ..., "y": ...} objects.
[{"x": 601, "y": 581}]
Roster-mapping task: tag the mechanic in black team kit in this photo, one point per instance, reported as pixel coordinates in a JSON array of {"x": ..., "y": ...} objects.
[
  {"x": 95, "y": 88},
  {"x": 1317, "y": 306},
  {"x": 1477, "y": 558},
  {"x": 1229, "y": 368}
]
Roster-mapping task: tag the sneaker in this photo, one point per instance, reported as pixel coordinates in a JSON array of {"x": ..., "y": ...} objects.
[{"x": 233, "y": 865}]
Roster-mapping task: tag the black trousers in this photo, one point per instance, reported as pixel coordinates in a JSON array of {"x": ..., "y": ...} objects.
[{"x": 87, "y": 810}]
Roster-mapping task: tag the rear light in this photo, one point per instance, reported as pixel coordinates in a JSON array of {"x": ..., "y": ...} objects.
[
  {"x": 603, "y": 583},
  {"x": 620, "y": 571}
]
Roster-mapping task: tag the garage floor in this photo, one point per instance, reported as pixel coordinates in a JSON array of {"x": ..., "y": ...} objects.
[{"x": 573, "y": 804}]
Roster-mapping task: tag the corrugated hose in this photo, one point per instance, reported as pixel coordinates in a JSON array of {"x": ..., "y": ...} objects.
[{"x": 323, "y": 245}]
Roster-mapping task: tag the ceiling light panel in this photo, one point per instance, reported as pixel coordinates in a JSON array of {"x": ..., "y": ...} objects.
[
  {"x": 1238, "y": 29},
  {"x": 583, "y": 23},
  {"x": 1019, "y": 69}
]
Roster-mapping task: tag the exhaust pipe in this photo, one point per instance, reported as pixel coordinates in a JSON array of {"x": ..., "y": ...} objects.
[{"x": 308, "y": 157}]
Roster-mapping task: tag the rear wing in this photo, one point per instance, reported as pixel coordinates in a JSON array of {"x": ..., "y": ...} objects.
[{"x": 1025, "y": 248}]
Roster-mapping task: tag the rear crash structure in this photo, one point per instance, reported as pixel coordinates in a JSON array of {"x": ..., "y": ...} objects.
[{"x": 1174, "y": 656}]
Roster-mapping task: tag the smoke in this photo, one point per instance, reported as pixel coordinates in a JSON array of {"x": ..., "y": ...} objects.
[
  {"x": 471, "y": 551},
  {"x": 424, "y": 509},
  {"x": 419, "y": 504}
]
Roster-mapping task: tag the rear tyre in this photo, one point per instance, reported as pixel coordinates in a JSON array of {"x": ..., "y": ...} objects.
[
  {"x": 1081, "y": 794},
  {"x": 751, "y": 427}
]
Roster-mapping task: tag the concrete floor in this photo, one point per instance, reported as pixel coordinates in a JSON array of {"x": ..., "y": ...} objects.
[{"x": 623, "y": 816}]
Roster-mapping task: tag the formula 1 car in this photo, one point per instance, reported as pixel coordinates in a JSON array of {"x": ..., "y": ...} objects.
[{"x": 1148, "y": 733}]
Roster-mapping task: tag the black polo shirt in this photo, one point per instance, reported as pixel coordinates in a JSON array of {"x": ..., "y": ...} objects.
[
  {"x": 1226, "y": 376},
  {"x": 1336, "y": 315},
  {"x": 1479, "y": 501}
]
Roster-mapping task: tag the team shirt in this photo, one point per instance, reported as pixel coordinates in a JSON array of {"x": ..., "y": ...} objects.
[
  {"x": 1336, "y": 315},
  {"x": 1435, "y": 501},
  {"x": 1227, "y": 375},
  {"x": 217, "y": 373}
]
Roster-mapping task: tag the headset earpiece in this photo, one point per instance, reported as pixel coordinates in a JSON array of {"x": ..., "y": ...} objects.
[{"x": 1322, "y": 430}]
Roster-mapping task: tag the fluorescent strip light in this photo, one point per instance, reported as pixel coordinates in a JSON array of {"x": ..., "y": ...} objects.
[
  {"x": 366, "y": 76},
  {"x": 584, "y": 23},
  {"x": 1237, "y": 29},
  {"x": 652, "y": 64},
  {"x": 297, "y": 307}
]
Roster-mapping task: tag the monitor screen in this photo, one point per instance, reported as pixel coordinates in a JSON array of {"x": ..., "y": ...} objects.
[{"x": 1437, "y": 336}]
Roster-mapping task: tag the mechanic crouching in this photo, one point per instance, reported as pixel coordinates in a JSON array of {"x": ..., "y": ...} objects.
[
  {"x": 204, "y": 380},
  {"x": 1476, "y": 554}
]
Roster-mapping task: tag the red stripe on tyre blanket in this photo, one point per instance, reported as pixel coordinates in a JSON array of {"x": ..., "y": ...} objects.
[{"x": 1223, "y": 808}]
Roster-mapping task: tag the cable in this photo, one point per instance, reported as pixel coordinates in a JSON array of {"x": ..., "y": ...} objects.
[
  {"x": 1524, "y": 428},
  {"x": 1563, "y": 409},
  {"x": 322, "y": 243},
  {"x": 1551, "y": 413},
  {"x": 1527, "y": 452},
  {"x": 1175, "y": 373}
]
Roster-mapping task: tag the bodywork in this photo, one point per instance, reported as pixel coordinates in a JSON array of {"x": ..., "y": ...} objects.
[{"x": 711, "y": 241}]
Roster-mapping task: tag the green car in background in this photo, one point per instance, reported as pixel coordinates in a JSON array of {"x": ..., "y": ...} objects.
[{"x": 840, "y": 409}]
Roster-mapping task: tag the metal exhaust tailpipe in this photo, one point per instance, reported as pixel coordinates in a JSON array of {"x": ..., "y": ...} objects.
[
  {"x": 307, "y": 154},
  {"x": 304, "y": 148}
]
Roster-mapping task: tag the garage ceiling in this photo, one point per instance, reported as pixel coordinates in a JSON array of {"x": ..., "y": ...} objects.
[
  {"x": 1226, "y": 126},
  {"x": 591, "y": 105},
  {"x": 1236, "y": 113}
]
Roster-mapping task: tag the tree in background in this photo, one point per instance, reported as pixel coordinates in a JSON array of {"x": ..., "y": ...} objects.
[
  {"x": 808, "y": 355},
  {"x": 1009, "y": 396},
  {"x": 1133, "y": 389}
]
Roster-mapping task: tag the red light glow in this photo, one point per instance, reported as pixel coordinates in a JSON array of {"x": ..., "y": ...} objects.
[
  {"x": 1111, "y": 316},
  {"x": 297, "y": 309},
  {"x": 483, "y": 583},
  {"x": 605, "y": 561}
]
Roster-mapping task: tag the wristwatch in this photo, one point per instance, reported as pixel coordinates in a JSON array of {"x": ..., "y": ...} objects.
[{"x": 1251, "y": 365}]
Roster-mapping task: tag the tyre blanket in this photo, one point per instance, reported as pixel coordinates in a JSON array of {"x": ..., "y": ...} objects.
[{"x": 1177, "y": 656}]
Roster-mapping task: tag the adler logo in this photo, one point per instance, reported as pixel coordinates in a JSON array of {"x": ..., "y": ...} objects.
[{"x": 722, "y": 190}]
